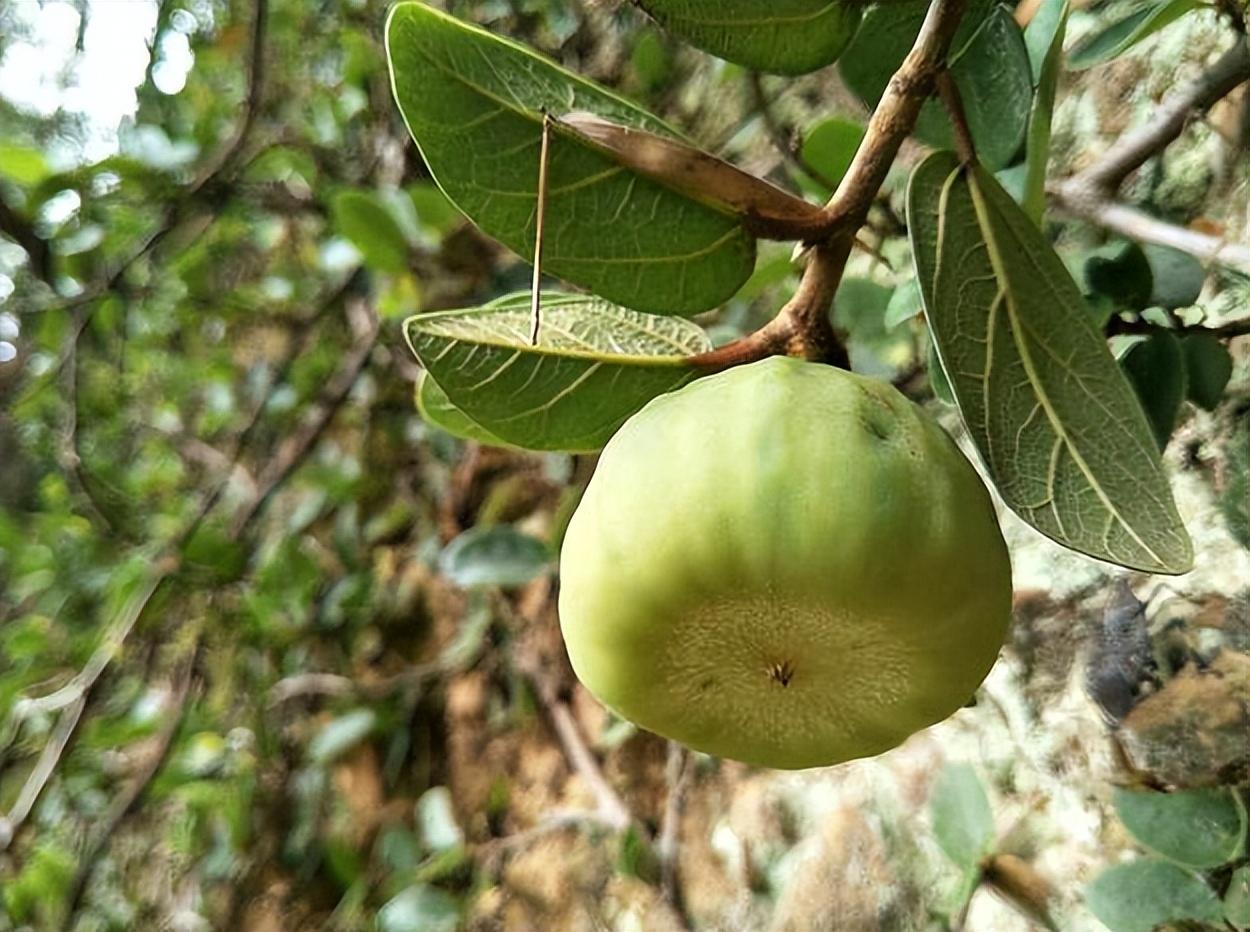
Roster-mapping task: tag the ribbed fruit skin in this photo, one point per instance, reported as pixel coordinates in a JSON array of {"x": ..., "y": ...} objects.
[{"x": 785, "y": 564}]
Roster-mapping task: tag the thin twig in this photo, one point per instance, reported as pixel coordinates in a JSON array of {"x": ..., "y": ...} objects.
[
  {"x": 128, "y": 799},
  {"x": 540, "y": 213},
  {"x": 953, "y": 102},
  {"x": 677, "y": 772},
  {"x": 42, "y": 773},
  {"x": 780, "y": 137},
  {"x": 610, "y": 808}
]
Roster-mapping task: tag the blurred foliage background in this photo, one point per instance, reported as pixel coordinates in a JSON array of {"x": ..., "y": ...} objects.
[{"x": 274, "y": 654}]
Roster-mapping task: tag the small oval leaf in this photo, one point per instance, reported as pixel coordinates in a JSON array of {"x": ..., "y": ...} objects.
[
  {"x": 595, "y": 364},
  {"x": 1055, "y": 421},
  {"x": 1140, "y": 895},
  {"x": 778, "y": 36},
  {"x": 962, "y": 820},
  {"x": 494, "y": 556},
  {"x": 1156, "y": 369},
  {"x": 474, "y": 103},
  {"x": 1194, "y": 828},
  {"x": 1209, "y": 366}
]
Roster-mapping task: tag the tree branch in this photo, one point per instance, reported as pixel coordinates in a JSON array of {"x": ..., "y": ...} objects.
[
  {"x": 20, "y": 230},
  {"x": 802, "y": 327},
  {"x": 1090, "y": 194},
  {"x": 1167, "y": 122}
]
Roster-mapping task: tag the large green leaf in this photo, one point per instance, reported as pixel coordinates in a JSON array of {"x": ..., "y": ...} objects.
[
  {"x": 1105, "y": 44},
  {"x": 1056, "y": 423},
  {"x": 474, "y": 103},
  {"x": 1195, "y": 828},
  {"x": 1140, "y": 895},
  {"x": 780, "y": 36},
  {"x": 595, "y": 364}
]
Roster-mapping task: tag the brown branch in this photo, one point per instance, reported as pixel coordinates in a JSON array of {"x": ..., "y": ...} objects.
[
  {"x": 802, "y": 328},
  {"x": 954, "y": 104},
  {"x": 39, "y": 777},
  {"x": 1090, "y": 194},
  {"x": 678, "y": 769},
  {"x": 296, "y": 447},
  {"x": 1168, "y": 121}
]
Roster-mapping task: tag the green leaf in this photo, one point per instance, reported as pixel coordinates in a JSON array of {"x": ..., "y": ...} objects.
[
  {"x": 1156, "y": 369},
  {"x": 474, "y": 103},
  {"x": 962, "y": 820},
  {"x": 904, "y": 304},
  {"x": 1237, "y": 898},
  {"x": 1105, "y": 44},
  {"x": 1121, "y": 272},
  {"x": 830, "y": 145},
  {"x": 363, "y": 218},
  {"x": 1140, "y": 895},
  {"x": 1194, "y": 828},
  {"x": 22, "y": 165},
  {"x": 995, "y": 82},
  {"x": 938, "y": 379},
  {"x": 1178, "y": 277},
  {"x": 494, "y": 556},
  {"x": 341, "y": 735},
  {"x": 779, "y": 36},
  {"x": 1044, "y": 39},
  {"x": 595, "y": 364},
  {"x": 1052, "y": 416},
  {"x": 1209, "y": 366},
  {"x": 419, "y": 908},
  {"x": 436, "y": 408}
]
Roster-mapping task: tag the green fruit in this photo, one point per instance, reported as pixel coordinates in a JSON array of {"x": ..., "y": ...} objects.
[{"x": 786, "y": 564}]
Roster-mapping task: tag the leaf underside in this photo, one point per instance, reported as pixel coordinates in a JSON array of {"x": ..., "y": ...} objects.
[
  {"x": 436, "y": 408},
  {"x": 778, "y": 36},
  {"x": 595, "y": 364},
  {"x": 474, "y": 103},
  {"x": 1052, "y": 416}
]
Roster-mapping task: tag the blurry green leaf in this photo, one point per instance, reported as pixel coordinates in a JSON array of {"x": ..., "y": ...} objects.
[
  {"x": 961, "y": 815},
  {"x": 1194, "y": 828},
  {"x": 420, "y": 908},
  {"x": 830, "y": 145},
  {"x": 494, "y": 556},
  {"x": 23, "y": 165},
  {"x": 1044, "y": 38},
  {"x": 595, "y": 364},
  {"x": 1140, "y": 895},
  {"x": 995, "y": 82},
  {"x": 436, "y": 820},
  {"x": 1235, "y": 498},
  {"x": 1054, "y": 419},
  {"x": 361, "y": 217},
  {"x": 213, "y": 557},
  {"x": 1208, "y": 366},
  {"x": 779, "y": 36},
  {"x": 1237, "y": 898},
  {"x": 904, "y": 304},
  {"x": 1111, "y": 41},
  {"x": 342, "y": 734},
  {"x": 1178, "y": 277},
  {"x": 1120, "y": 271},
  {"x": 474, "y": 103},
  {"x": 1156, "y": 369},
  {"x": 650, "y": 60}
]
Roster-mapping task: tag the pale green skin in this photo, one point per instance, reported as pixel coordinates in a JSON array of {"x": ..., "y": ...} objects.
[{"x": 784, "y": 516}]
